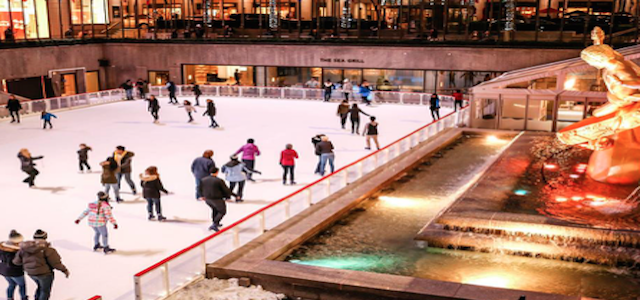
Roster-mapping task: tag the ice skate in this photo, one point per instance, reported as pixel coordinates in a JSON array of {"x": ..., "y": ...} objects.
[
  {"x": 151, "y": 217},
  {"x": 161, "y": 218},
  {"x": 108, "y": 250},
  {"x": 214, "y": 227},
  {"x": 97, "y": 247}
]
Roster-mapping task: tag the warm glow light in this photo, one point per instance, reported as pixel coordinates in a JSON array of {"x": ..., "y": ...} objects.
[
  {"x": 590, "y": 197},
  {"x": 492, "y": 139},
  {"x": 399, "y": 202},
  {"x": 561, "y": 199},
  {"x": 577, "y": 198},
  {"x": 550, "y": 166},
  {"x": 490, "y": 280},
  {"x": 569, "y": 83},
  {"x": 574, "y": 176}
]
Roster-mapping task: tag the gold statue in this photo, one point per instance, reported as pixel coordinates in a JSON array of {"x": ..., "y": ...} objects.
[{"x": 614, "y": 131}]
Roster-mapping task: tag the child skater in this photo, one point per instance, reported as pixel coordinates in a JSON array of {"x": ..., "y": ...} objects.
[
  {"x": 83, "y": 156},
  {"x": 153, "y": 108},
  {"x": 99, "y": 215},
  {"x": 46, "y": 116},
  {"x": 211, "y": 112},
  {"x": 190, "y": 109}
]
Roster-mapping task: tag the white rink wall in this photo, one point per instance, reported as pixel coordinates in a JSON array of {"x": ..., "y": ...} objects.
[{"x": 62, "y": 193}]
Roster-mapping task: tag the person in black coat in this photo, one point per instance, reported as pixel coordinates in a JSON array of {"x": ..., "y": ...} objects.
[
  {"x": 28, "y": 166},
  {"x": 153, "y": 108},
  {"x": 151, "y": 188},
  {"x": 214, "y": 192},
  {"x": 354, "y": 113},
  {"x": 434, "y": 106},
  {"x": 83, "y": 157},
  {"x": 13, "y": 273},
  {"x": 315, "y": 140},
  {"x": 171, "y": 87},
  {"x": 211, "y": 112},
  {"x": 196, "y": 91},
  {"x": 14, "y": 107}
]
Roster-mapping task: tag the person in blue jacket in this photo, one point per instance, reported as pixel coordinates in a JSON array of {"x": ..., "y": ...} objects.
[
  {"x": 236, "y": 173},
  {"x": 434, "y": 106},
  {"x": 46, "y": 116},
  {"x": 365, "y": 92}
]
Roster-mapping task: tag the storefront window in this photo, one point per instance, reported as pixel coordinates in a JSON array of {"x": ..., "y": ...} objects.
[
  {"x": 89, "y": 12},
  {"x": 288, "y": 76},
  {"x": 29, "y": 18},
  {"x": 513, "y": 111},
  {"x": 547, "y": 83},
  {"x": 219, "y": 75},
  {"x": 395, "y": 80},
  {"x": 158, "y": 77},
  {"x": 569, "y": 112},
  {"x": 430, "y": 81},
  {"x": 582, "y": 81},
  {"x": 540, "y": 115}
]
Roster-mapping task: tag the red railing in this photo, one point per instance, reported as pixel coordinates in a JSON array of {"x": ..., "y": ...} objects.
[{"x": 162, "y": 285}]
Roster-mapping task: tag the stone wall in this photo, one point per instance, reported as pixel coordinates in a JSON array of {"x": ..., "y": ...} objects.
[{"x": 131, "y": 60}]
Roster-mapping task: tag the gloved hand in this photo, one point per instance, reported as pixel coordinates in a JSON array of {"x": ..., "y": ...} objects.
[
  {"x": 115, "y": 226},
  {"x": 77, "y": 221},
  {"x": 66, "y": 273}
]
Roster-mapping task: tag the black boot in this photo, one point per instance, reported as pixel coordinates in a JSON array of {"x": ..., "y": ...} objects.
[
  {"x": 108, "y": 250},
  {"x": 97, "y": 247}
]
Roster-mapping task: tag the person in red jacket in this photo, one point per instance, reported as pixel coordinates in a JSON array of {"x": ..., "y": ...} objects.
[{"x": 287, "y": 161}]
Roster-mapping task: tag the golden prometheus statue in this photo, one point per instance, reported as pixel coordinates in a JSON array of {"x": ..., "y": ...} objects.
[{"x": 613, "y": 133}]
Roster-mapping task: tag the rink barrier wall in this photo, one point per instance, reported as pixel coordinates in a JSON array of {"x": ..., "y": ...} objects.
[
  {"x": 66, "y": 102},
  {"x": 188, "y": 265},
  {"x": 300, "y": 93}
]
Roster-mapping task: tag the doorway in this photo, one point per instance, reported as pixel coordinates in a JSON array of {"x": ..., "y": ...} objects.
[{"x": 69, "y": 84}]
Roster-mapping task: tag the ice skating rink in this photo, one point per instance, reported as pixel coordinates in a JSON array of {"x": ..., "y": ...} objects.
[{"x": 61, "y": 193}]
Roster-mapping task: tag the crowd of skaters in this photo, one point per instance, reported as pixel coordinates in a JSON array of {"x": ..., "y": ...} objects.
[{"x": 16, "y": 255}]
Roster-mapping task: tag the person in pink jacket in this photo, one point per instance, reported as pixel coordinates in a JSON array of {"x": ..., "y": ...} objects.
[
  {"x": 249, "y": 153},
  {"x": 99, "y": 215}
]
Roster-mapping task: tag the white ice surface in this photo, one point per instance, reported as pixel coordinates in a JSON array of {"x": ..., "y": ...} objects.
[{"x": 62, "y": 193}]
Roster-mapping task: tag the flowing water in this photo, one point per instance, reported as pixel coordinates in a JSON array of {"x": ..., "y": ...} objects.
[{"x": 379, "y": 237}]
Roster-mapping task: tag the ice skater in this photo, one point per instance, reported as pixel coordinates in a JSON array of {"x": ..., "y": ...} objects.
[
  {"x": 211, "y": 112},
  {"x": 127, "y": 86},
  {"x": 108, "y": 177},
  {"x": 236, "y": 173},
  {"x": 14, "y": 274},
  {"x": 200, "y": 168},
  {"x": 328, "y": 88},
  {"x": 99, "y": 215},
  {"x": 197, "y": 92},
  {"x": 83, "y": 157},
  {"x": 315, "y": 141},
  {"x": 343, "y": 112},
  {"x": 371, "y": 133},
  {"x": 325, "y": 148},
  {"x": 287, "y": 161},
  {"x": 189, "y": 109},
  {"x": 434, "y": 106},
  {"x": 28, "y": 166},
  {"x": 354, "y": 113},
  {"x": 46, "y": 116},
  {"x": 124, "y": 159},
  {"x": 39, "y": 259},
  {"x": 249, "y": 153},
  {"x": 214, "y": 192},
  {"x": 457, "y": 100},
  {"x": 347, "y": 88},
  {"x": 14, "y": 107},
  {"x": 171, "y": 87},
  {"x": 154, "y": 107},
  {"x": 365, "y": 92},
  {"x": 151, "y": 188}
]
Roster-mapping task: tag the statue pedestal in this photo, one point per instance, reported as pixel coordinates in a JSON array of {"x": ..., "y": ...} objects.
[{"x": 619, "y": 164}]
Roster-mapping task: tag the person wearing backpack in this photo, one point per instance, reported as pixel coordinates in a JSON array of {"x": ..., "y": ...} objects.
[
  {"x": 39, "y": 259},
  {"x": 99, "y": 215}
]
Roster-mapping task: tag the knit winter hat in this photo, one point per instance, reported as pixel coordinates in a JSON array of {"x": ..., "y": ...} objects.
[
  {"x": 103, "y": 196},
  {"x": 15, "y": 237},
  {"x": 40, "y": 234}
]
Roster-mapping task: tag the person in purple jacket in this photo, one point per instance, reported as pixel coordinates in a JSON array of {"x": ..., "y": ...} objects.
[{"x": 249, "y": 153}]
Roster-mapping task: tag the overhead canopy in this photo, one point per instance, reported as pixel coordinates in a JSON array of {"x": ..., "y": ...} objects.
[{"x": 557, "y": 69}]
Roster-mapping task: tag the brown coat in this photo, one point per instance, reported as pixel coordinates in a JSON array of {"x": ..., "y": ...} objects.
[{"x": 108, "y": 175}]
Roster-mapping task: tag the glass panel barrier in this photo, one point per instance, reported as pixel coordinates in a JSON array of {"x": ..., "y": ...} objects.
[
  {"x": 152, "y": 286},
  {"x": 185, "y": 268}
]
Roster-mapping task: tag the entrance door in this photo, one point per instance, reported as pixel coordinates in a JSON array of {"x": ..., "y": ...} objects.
[
  {"x": 69, "y": 84},
  {"x": 92, "y": 81}
]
